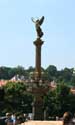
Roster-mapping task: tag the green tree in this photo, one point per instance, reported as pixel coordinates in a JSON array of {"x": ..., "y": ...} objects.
[
  {"x": 4, "y": 72},
  {"x": 72, "y": 103},
  {"x": 49, "y": 102},
  {"x": 62, "y": 99},
  {"x": 65, "y": 75},
  {"x": 52, "y": 72},
  {"x": 17, "y": 98},
  {"x": 7, "y": 72}
]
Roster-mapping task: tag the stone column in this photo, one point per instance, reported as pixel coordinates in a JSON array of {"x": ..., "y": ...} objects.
[{"x": 38, "y": 43}]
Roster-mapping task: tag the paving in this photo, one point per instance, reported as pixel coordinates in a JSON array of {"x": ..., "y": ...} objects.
[{"x": 42, "y": 123}]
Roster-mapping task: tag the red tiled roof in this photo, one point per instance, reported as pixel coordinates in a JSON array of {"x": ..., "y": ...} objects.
[{"x": 3, "y": 82}]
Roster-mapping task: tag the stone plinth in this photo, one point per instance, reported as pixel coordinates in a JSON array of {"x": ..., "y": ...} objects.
[
  {"x": 38, "y": 111},
  {"x": 38, "y": 104}
]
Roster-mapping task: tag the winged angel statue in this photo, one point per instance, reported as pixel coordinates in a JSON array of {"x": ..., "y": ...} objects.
[{"x": 38, "y": 23}]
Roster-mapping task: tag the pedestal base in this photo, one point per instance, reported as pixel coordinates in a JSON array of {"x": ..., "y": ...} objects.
[
  {"x": 38, "y": 108},
  {"x": 38, "y": 103}
]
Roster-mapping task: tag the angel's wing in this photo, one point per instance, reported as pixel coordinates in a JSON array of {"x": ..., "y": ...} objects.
[
  {"x": 32, "y": 20},
  {"x": 41, "y": 20}
]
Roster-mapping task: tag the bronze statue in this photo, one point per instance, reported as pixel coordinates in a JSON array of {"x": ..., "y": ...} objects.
[{"x": 38, "y": 23}]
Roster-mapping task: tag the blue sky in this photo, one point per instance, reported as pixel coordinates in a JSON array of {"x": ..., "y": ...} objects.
[{"x": 17, "y": 32}]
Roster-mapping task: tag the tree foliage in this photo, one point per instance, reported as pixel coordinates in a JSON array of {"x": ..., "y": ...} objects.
[
  {"x": 60, "y": 100},
  {"x": 51, "y": 73},
  {"x": 17, "y": 98}
]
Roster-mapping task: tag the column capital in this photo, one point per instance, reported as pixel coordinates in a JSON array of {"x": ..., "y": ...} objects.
[{"x": 38, "y": 42}]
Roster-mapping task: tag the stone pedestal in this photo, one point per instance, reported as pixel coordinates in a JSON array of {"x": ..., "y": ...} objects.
[
  {"x": 38, "y": 113},
  {"x": 38, "y": 104}
]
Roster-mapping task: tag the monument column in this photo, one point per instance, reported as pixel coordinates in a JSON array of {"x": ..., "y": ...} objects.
[
  {"x": 38, "y": 43},
  {"x": 38, "y": 90}
]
